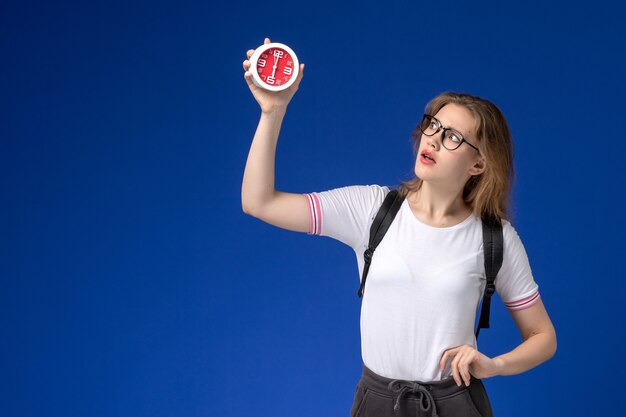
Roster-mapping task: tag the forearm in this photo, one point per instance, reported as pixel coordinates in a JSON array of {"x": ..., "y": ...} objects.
[
  {"x": 258, "y": 177},
  {"x": 532, "y": 352}
]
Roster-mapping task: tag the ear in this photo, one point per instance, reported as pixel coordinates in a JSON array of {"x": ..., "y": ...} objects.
[{"x": 478, "y": 167}]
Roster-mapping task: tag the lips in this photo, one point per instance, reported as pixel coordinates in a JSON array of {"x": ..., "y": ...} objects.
[{"x": 427, "y": 157}]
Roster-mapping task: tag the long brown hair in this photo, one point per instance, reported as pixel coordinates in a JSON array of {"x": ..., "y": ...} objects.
[{"x": 487, "y": 193}]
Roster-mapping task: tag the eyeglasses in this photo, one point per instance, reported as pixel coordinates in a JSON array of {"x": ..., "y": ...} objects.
[{"x": 450, "y": 139}]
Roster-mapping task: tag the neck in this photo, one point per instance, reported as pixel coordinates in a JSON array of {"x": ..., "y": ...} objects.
[{"x": 438, "y": 203}]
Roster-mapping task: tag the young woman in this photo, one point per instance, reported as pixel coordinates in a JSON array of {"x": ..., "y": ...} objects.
[{"x": 427, "y": 277}]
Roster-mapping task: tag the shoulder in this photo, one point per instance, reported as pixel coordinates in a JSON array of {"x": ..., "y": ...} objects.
[
  {"x": 514, "y": 249},
  {"x": 344, "y": 213},
  {"x": 359, "y": 193},
  {"x": 508, "y": 231},
  {"x": 369, "y": 189},
  {"x": 511, "y": 240}
]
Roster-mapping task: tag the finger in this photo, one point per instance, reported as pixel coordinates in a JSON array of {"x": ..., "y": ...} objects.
[
  {"x": 453, "y": 371},
  {"x": 267, "y": 40},
  {"x": 468, "y": 363},
  {"x": 448, "y": 356},
  {"x": 456, "y": 371},
  {"x": 299, "y": 78},
  {"x": 462, "y": 368},
  {"x": 442, "y": 362},
  {"x": 465, "y": 360},
  {"x": 246, "y": 65},
  {"x": 250, "y": 52},
  {"x": 248, "y": 77}
]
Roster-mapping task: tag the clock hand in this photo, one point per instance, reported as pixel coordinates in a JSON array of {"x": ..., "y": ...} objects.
[{"x": 275, "y": 65}]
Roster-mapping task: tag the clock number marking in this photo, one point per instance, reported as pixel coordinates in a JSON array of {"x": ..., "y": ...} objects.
[
  {"x": 270, "y": 80},
  {"x": 278, "y": 54},
  {"x": 262, "y": 62},
  {"x": 287, "y": 71}
]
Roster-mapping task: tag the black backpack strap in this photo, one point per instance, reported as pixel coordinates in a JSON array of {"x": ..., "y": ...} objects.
[
  {"x": 386, "y": 213},
  {"x": 493, "y": 248}
]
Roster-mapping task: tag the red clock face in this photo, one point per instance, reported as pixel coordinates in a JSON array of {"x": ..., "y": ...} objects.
[{"x": 275, "y": 67}]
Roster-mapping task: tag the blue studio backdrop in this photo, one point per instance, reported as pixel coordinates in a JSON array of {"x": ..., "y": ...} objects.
[{"x": 132, "y": 283}]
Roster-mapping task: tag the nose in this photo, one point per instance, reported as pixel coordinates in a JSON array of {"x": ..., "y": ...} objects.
[{"x": 433, "y": 141}]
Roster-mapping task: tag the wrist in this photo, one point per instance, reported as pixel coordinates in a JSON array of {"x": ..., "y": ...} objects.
[
  {"x": 500, "y": 365},
  {"x": 275, "y": 111}
]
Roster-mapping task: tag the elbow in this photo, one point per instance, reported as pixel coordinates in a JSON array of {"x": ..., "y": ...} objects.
[
  {"x": 548, "y": 345},
  {"x": 245, "y": 205},
  {"x": 250, "y": 210},
  {"x": 249, "y": 205},
  {"x": 552, "y": 333},
  {"x": 551, "y": 345},
  {"x": 252, "y": 207},
  {"x": 246, "y": 210}
]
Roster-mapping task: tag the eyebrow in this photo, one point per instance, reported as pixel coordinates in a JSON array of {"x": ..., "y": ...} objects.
[{"x": 465, "y": 135}]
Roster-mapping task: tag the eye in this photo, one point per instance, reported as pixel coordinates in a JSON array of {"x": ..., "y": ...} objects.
[
  {"x": 434, "y": 124},
  {"x": 454, "y": 137}
]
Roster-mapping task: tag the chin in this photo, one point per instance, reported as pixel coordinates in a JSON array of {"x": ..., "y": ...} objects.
[{"x": 419, "y": 173}]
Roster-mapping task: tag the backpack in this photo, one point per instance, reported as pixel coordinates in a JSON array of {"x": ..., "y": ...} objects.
[{"x": 493, "y": 248}]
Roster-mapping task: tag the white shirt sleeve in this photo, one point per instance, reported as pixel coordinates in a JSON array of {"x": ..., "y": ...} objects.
[
  {"x": 345, "y": 213},
  {"x": 515, "y": 283}
]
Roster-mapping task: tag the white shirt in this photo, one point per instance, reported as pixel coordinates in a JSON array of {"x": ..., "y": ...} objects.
[{"x": 424, "y": 284}]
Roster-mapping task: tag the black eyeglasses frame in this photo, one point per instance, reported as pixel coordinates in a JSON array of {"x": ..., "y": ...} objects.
[{"x": 443, "y": 133}]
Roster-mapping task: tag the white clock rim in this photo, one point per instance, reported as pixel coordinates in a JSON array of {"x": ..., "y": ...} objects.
[{"x": 255, "y": 76}]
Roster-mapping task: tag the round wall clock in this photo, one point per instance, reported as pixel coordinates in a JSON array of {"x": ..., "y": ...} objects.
[{"x": 274, "y": 66}]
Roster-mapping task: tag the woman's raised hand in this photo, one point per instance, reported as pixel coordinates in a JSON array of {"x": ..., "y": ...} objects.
[{"x": 270, "y": 100}]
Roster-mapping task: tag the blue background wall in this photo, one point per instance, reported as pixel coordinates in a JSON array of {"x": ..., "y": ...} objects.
[{"x": 131, "y": 282}]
